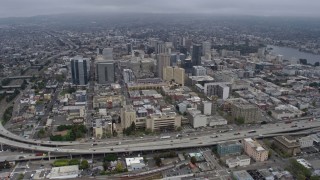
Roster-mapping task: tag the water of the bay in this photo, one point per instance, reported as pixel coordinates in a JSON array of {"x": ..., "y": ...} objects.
[{"x": 294, "y": 54}]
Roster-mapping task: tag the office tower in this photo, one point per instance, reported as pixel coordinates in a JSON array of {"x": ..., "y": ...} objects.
[
  {"x": 128, "y": 75},
  {"x": 187, "y": 63},
  {"x": 206, "y": 48},
  {"x": 105, "y": 72},
  {"x": 205, "y": 107},
  {"x": 173, "y": 59},
  {"x": 129, "y": 48},
  {"x": 163, "y": 60},
  {"x": 199, "y": 71},
  {"x": 174, "y": 73},
  {"x": 107, "y": 53},
  {"x": 79, "y": 70},
  {"x": 196, "y": 54},
  {"x": 182, "y": 57},
  {"x": 160, "y": 47},
  {"x": 168, "y": 47},
  {"x": 214, "y": 105},
  {"x": 218, "y": 89}
]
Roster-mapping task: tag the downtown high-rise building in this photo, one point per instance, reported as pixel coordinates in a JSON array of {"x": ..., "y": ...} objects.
[
  {"x": 163, "y": 60},
  {"x": 196, "y": 54},
  {"x": 128, "y": 75},
  {"x": 79, "y": 70},
  {"x": 105, "y": 71},
  {"x": 107, "y": 53},
  {"x": 206, "y": 48}
]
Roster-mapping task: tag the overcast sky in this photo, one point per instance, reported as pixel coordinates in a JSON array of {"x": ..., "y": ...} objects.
[{"x": 17, "y": 8}]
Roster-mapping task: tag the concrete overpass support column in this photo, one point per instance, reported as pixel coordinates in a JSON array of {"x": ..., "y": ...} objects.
[
  {"x": 49, "y": 155},
  {"x": 1, "y": 147},
  {"x": 71, "y": 156}
]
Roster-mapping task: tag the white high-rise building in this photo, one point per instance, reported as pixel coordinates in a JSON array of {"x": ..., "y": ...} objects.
[
  {"x": 128, "y": 75},
  {"x": 219, "y": 89},
  {"x": 199, "y": 71},
  {"x": 206, "y": 48},
  {"x": 107, "y": 53}
]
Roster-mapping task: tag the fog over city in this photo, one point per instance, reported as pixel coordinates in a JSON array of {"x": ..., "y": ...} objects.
[{"x": 21, "y": 8}]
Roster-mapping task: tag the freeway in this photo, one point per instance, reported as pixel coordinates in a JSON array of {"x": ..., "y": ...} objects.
[
  {"x": 185, "y": 142},
  {"x": 9, "y": 135}
]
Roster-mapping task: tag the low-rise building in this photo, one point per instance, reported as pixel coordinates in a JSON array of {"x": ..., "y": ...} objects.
[
  {"x": 135, "y": 163},
  {"x": 64, "y": 172},
  {"x": 306, "y": 141},
  {"x": 243, "y": 160},
  {"x": 286, "y": 111},
  {"x": 287, "y": 144},
  {"x": 241, "y": 175},
  {"x": 253, "y": 149},
  {"x": 229, "y": 148}
]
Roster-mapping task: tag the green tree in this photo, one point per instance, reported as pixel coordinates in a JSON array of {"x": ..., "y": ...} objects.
[
  {"x": 193, "y": 160},
  {"x": 157, "y": 160},
  {"x": 269, "y": 113},
  {"x": 240, "y": 120},
  {"x": 20, "y": 177},
  {"x": 74, "y": 162},
  {"x": 41, "y": 133},
  {"x": 145, "y": 160},
  {"x": 84, "y": 164},
  {"x": 315, "y": 178},
  {"x": 298, "y": 170},
  {"x": 269, "y": 153},
  {"x": 110, "y": 157},
  {"x": 119, "y": 167},
  {"x": 106, "y": 165}
]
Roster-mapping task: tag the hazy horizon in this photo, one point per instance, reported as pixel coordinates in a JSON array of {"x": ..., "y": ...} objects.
[{"x": 29, "y": 8}]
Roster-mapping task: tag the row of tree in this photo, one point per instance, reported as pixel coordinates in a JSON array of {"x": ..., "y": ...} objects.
[
  {"x": 74, "y": 132},
  {"x": 65, "y": 162},
  {"x": 7, "y": 115}
]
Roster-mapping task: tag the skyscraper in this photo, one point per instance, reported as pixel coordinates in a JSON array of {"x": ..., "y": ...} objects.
[
  {"x": 107, "y": 53},
  {"x": 206, "y": 48},
  {"x": 105, "y": 72},
  {"x": 129, "y": 48},
  {"x": 196, "y": 54},
  {"x": 79, "y": 70},
  {"x": 163, "y": 60},
  {"x": 160, "y": 47},
  {"x": 128, "y": 75}
]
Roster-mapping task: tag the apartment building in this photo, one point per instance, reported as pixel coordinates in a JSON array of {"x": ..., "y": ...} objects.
[{"x": 253, "y": 149}]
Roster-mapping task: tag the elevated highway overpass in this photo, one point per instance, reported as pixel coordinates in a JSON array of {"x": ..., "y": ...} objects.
[{"x": 77, "y": 148}]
